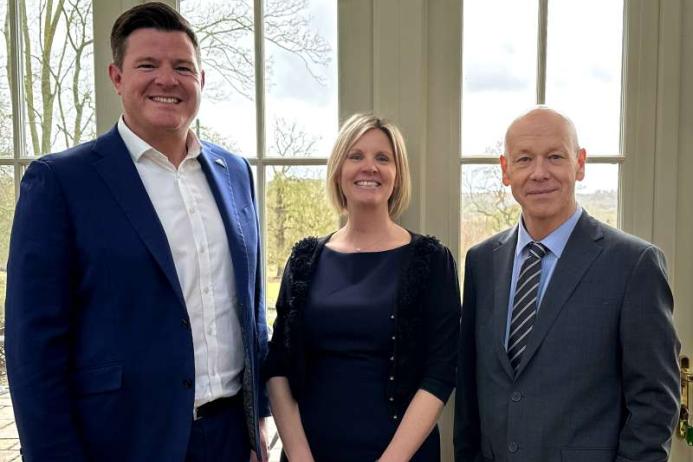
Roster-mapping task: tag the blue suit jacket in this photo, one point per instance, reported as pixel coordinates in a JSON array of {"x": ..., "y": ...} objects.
[{"x": 99, "y": 348}]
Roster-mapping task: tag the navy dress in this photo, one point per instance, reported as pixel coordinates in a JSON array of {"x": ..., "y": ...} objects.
[{"x": 349, "y": 341}]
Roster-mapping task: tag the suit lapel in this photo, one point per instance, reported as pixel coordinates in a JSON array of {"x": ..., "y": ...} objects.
[
  {"x": 115, "y": 166},
  {"x": 580, "y": 252},
  {"x": 218, "y": 176},
  {"x": 503, "y": 256}
]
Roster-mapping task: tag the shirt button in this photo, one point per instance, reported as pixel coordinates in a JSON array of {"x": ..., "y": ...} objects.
[
  {"x": 392, "y": 378},
  {"x": 392, "y": 398},
  {"x": 206, "y": 290},
  {"x": 516, "y": 396},
  {"x": 392, "y": 316},
  {"x": 187, "y": 383},
  {"x": 513, "y": 447},
  {"x": 394, "y": 417},
  {"x": 392, "y": 358},
  {"x": 393, "y": 337},
  {"x": 202, "y": 250}
]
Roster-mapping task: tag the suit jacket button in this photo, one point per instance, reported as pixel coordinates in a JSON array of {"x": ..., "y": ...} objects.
[
  {"x": 516, "y": 396},
  {"x": 513, "y": 447},
  {"x": 187, "y": 383}
]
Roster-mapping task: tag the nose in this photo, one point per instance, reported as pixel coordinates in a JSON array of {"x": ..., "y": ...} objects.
[
  {"x": 370, "y": 165},
  {"x": 166, "y": 77},
  {"x": 540, "y": 169}
]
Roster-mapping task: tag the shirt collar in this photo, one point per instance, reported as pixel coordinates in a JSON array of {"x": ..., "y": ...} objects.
[
  {"x": 137, "y": 147},
  {"x": 556, "y": 241}
]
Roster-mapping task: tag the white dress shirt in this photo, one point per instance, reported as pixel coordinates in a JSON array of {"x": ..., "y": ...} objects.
[{"x": 197, "y": 238}]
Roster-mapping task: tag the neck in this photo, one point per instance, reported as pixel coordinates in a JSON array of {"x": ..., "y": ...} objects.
[
  {"x": 172, "y": 144},
  {"x": 368, "y": 223},
  {"x": 539, "y": 228},
  {"x": 174, "y": 147}
]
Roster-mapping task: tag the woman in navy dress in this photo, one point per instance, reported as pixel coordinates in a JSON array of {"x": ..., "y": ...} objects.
[{"x": 362, "y": 359}]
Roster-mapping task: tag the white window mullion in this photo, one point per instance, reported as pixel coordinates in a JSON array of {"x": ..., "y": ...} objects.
[
  {"x": 542, "y": 31},
  {"x": 17, "y": 92},
  {"x": 259, "y": 32}
]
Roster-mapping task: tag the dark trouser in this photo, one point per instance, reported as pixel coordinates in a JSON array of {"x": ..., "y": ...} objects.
[{"x": 220, "y": 435}]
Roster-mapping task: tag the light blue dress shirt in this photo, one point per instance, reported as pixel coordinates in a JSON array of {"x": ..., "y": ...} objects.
[{"x": 555, "y": 242}]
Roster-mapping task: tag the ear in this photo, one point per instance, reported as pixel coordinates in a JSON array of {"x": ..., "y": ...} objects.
[
  {"x": 116, "y": 76},
  {"x": 581, "y": 159},
  {"x": 504, "y": 169}
]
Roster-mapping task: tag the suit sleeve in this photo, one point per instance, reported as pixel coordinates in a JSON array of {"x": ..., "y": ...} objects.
[
  {"x": 466, "y": 433},
  {"x": 260, "y": 308},
  {"x": 650, "y": 371},
  {"x": 442, "y": 327},
  {"x": 39, "y": 312}
]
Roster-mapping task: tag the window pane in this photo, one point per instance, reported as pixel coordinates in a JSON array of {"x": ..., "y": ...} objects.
[
  {"x": 301, "y": 77},
  {"x": 583, "y": 75},
  {"x": 499, "y": 69},
  {"x": 225, "y": 31},
  {"x": 487, "y": 206},
  {"x": 598, "y": 192},
  {"x": 6, "y": 132},
  {"x": 296, "y": 207},
  {"x": 58, "y": 74},
  {"x": 7, "y": 200}
]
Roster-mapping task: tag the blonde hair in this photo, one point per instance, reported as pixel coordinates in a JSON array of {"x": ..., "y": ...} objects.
[{"x": 350, "y": 132}]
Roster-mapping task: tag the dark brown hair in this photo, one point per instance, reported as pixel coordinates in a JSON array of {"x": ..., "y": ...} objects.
[{"x": 150, "y": 15}]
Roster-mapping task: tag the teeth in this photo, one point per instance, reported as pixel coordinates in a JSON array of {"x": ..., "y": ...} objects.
[
  {"x": 367, "y": 183},
  {"x": 163, "y": 99}
]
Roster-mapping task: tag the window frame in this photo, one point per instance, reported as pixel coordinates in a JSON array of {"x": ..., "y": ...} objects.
[{"x": 541, "y": 52}]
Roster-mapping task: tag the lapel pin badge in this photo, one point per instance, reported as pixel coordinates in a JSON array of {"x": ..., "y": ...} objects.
[{"x": 220, "y": 162}]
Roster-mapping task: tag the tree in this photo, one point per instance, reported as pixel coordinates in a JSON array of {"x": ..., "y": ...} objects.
[
  {"x": 57, "y": 51},
  {"x": 296, "y": 204},
  {"x": 225, "y": 32}
]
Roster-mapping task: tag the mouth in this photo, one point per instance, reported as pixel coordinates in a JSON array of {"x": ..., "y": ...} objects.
[
  {"x": 165, "y": 99},
  {"x": 367, "y": 184},
  {"x": 542, "y": 192}
]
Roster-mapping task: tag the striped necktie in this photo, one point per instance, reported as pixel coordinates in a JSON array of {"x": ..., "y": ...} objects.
[{"x": 525, "y": 303}]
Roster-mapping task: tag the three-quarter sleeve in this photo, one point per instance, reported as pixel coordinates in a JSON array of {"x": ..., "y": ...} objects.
[
  {"x": 442, "y": 324},
  {"x": 277, "y": 362}
]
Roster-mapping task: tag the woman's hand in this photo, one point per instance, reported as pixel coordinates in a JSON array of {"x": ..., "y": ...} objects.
[{"x": 288, "y": 420}]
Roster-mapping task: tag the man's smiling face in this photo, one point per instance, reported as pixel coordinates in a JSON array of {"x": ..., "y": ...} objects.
[
  {"x": 160, "y": 83},
  {"x": 541, "y": 165}
]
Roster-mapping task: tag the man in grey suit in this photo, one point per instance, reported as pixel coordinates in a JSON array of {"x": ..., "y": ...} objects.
[{"x": 568, "y": 351}]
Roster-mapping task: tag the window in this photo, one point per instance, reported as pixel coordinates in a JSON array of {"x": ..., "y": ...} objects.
[
  {"x": 535, "y": 53},
  {"x": 271, "y": 96}
]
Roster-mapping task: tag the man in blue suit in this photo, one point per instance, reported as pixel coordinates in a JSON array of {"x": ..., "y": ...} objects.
[{"x": 135, "y": 314}]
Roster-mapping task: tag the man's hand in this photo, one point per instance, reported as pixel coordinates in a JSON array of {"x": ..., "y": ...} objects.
[{"x": 263, "y": 444}]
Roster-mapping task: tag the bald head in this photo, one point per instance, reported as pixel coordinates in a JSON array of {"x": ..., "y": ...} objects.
[{"x": 542, "y": 120}]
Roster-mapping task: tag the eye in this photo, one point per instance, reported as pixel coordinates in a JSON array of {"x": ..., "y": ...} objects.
[
  {"x": 355, "y": 156},
  {"x": 145, "y": 66},
  {"x": 556, "y": 156},
  {"x": 185, "y": 69},
  {"x": 382, "y": 158},
  {"x": 522, "y": 159}
]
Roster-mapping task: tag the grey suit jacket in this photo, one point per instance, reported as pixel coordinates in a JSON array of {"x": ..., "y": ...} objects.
[{"x": 599, "y": 380}]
